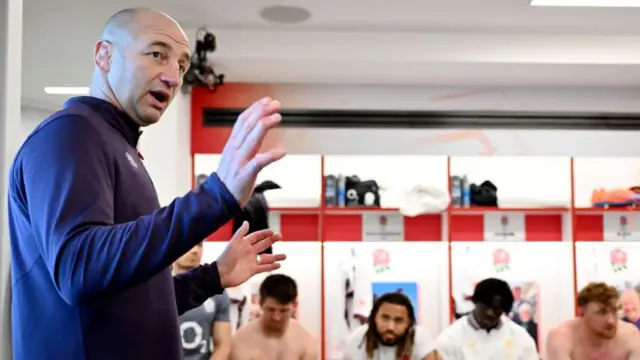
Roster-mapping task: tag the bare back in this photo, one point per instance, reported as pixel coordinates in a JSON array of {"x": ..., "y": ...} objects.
[
  {"x": 250, "y": 343},
  {"x": 565, "y": 343}
]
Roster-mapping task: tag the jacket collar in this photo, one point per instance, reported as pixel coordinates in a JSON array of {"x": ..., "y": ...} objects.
[{"x": 115, "y": 117}]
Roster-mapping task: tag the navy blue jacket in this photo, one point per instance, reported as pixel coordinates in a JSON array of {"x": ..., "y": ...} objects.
[{"x": 91, "y": 249}]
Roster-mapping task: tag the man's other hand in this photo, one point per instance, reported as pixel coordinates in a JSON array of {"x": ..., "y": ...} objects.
[
  {"x": 240, "y": 261},
  {"x": 241, "y": 162}
]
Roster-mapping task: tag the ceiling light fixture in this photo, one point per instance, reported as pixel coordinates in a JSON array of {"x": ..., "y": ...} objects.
[
  {"x": 66, "y": 90},
  {"x": 587, "y": 3},
  {"x": 283, "y": 14}
]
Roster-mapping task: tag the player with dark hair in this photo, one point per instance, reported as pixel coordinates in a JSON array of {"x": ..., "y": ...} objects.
[
  {"x": 391, "y": 333},
  {"x": 275, "y": 334},
  {"x": 486, "y": 332},
  {"x": 597, "y": 332}
]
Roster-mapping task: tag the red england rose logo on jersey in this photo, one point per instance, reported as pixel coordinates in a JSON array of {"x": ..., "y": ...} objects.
[
  {"x": 381, "y": 260},
  {"x": 618, "y": 260},
  {"x": 500, "y": 260}
]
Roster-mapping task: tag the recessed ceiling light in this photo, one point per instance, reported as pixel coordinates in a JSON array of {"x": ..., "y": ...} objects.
[
  {"x": 284, "y": 14},
  {"x": 587, "y": 3},
  {"x": 67, "y": 90}
]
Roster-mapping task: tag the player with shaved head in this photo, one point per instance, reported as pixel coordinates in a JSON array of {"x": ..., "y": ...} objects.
[
  {"x": 133, "y": 42},
  {"x": 91, "y": 246},
  {"x": 597, "y": 333}
]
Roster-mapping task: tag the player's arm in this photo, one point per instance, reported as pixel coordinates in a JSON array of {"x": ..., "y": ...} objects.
[
  {"x": 311, "y": 349},
  {"x": 633, "y": 339},
  {"x": 239, "y": 346},
  {"x": 557, "y": 347},
  {"x": 72, "y": 216},
  {"x": 221, "y": 331}
]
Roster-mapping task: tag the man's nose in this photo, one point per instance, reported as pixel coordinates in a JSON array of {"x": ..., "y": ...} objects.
[
  {"x": 389, "y": 326},
  {"x": 172, "y": 77}
]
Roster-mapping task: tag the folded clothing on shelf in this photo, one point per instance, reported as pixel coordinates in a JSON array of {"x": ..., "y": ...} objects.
[
  {"x": 423, "y": 199},
  {"x": 621, "y": 197}
]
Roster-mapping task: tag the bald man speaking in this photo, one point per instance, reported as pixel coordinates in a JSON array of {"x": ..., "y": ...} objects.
[{"x": 91, "y": 248}]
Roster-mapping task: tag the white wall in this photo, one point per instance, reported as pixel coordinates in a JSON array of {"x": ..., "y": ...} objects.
[
  {"x": 10, "y": 90},
  {"x": 31, "y": 117}
]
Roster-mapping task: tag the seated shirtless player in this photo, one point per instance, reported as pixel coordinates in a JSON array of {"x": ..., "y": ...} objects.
[
  {"x": 597, "y": 333},
  {"x": 275, "y": 335}
]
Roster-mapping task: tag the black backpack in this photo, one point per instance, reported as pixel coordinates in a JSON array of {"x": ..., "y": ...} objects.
[{"x": 256, "y": 211}]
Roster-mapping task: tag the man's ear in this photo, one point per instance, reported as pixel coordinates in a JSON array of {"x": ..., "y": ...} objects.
[{"x": 102, "y": 55}]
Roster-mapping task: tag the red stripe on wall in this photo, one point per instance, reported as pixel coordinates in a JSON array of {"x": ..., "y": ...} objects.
[
  {"x": 343, "y": 227},
  {"x": 423, "y": 228},
  {"x": 211, "y": 140},
  {"x": 543, "y": 227},
  {"x": 467, "y": 228},
  {"x": 589, "y": 227},
  {"x": 300, "y": 227}
]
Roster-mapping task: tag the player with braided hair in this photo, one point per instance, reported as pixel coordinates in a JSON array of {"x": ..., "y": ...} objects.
[{"x": 391, "y": 333}]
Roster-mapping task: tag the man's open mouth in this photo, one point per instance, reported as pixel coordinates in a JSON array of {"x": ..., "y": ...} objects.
[{"x": 161, "y": 96}]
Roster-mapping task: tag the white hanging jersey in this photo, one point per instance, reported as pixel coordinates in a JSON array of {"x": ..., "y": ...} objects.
[
  {"x": 464, "y": 340},
  {"x": 423, "y": 345},
  {"x": 361, "y": 284},
  {"x": 357, "y": 294}
]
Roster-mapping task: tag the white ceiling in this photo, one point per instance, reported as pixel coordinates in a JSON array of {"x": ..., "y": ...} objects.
[{"x": 427, "y": 42}]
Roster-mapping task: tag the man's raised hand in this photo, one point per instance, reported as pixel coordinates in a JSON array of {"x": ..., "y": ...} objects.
[
  {"x": 241, "y": 162},
  {"x": 240, "y": 260}
]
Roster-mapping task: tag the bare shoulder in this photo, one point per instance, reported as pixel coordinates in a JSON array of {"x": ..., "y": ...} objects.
[
  {"x": 302, "y": 341},
  {"x": 563, "y": 329},
  {"x": 628, "y": 333},
  {"x": 299, "y": 333},
  {"x": 559, "y": 337},
  {"x": 246, "y": 333}
]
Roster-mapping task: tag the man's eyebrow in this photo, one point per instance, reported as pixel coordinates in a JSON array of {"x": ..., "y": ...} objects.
[{"x": 161, "y": 44}]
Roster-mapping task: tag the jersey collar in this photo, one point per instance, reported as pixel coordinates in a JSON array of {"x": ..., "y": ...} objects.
[{"x": 475, "y": 326}]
